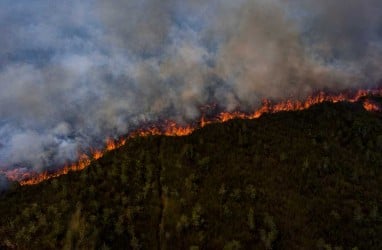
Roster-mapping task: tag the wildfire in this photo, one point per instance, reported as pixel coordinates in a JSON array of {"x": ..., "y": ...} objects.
[
  {"x": 371, "y": 106},
  {"x": 171, "y": 128}
]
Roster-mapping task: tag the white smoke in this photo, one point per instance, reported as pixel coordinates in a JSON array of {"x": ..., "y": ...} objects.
[{"x": 74, "y": 73}]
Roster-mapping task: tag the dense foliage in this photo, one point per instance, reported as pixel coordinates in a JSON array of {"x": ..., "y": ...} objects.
[{"x": 294, "y": 180}]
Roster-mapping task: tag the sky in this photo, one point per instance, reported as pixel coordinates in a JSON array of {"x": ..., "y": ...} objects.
[{"x": 74, "y": 73}]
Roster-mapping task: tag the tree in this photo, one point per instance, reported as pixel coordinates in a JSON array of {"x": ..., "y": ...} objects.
[{"x": 268, "y": 235}]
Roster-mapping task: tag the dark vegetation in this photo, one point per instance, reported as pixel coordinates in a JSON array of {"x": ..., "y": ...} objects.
[{"x": 294, "y": 180}]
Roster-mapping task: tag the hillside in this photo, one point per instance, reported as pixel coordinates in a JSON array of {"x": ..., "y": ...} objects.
[{"x": 310, "y": 179}]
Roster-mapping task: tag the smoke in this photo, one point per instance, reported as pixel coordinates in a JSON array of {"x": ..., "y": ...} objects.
[{"x": 73, "y": 73}]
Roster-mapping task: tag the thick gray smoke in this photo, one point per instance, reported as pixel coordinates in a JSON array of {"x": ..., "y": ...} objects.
[{"x": 73, "y": 73}]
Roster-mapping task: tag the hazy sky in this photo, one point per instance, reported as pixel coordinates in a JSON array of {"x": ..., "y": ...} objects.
[{"x": 73, "y": 73}]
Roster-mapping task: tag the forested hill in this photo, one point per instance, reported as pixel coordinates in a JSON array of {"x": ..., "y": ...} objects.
[{"x": 293, "y": 180}]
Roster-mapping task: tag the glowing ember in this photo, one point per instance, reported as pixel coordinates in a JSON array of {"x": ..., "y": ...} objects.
[{"x": 171, "y": 128}]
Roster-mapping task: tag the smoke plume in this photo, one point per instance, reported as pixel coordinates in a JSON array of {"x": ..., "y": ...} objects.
[{"x": 73, "y": 73}]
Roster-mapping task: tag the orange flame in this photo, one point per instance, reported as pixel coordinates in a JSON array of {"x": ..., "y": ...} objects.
[
  {"x": 371, "y": 106},
  {"x": 171, "y": 128},
  {"x": 97, "y": 154}
]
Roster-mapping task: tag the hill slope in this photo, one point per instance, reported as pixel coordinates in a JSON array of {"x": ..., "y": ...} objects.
[{"x": 296, "y": 180}]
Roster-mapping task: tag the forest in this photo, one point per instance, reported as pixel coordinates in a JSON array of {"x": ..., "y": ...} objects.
[{"x": 308, "y": 179}]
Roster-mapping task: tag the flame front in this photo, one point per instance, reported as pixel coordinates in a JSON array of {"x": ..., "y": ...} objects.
[{"x": 171, "y": 128}]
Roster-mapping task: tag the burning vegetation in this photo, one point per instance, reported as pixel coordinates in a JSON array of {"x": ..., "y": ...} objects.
[
  {"x": 228, "y": 185},
  {"x": 171, "y": 128}
]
